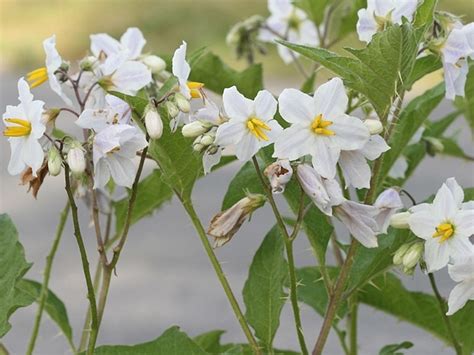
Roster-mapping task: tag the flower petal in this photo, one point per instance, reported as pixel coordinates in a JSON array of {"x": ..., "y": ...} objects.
[
  {"x": 444, "y": 203},
  {"x": 181, "y": 68},
  {"x": 32, "y": 154},
  {"x": 265, "y": 105},
  {"x": 459, "y": 296},
  {"x": 296, "y": 107},
  {"x": 436, "y": 254},
  {"x": 355, "y": 169},
  {"x": 331, "y": 100},
  {"x": 294, "y": 142},
  {"x": 236, "y": 105},
  {"x": 102, "y": 42},
  {"x": 230, "y": 133},
  {"x": 134, "y": 41},
  {"x": 374, "y": 147},
  {"x": 423, "y": 224},
  {"x": 131, "y": 77},
  {"x": 350, "y": 132},
  {"x": 247, "y": 147},
  {"x": 325, "y": 157}
]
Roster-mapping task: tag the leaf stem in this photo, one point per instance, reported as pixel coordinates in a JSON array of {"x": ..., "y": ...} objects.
[
  {"x": 442, "y": 307},
  {"x": 82, "y": 251},
  {"x": 47, "y": 273}
]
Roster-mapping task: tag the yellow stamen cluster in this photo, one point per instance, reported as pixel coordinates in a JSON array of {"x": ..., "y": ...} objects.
[
  {"x": 37, "y": 77},
  {"x": 444, "y": 231},
  {"x": 22, "y": 128},
  {"x": 257, "y": 127},
  {"x": 196, "y": 89},
  {"x": 319, "y": 126}
]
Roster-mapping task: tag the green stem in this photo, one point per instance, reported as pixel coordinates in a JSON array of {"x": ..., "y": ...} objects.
[
  {"x": 442, "y": 307},
  {"x": 220, "y": 273},
  {"x": 82, "y": 251},
  {"x": 289, "y": 252},
  {"x": 47, "y": 273},
  {"x": 354, "y": 308}
]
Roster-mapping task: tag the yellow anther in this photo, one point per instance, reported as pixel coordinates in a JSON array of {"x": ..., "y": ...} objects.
[
  {"x": 22, "y": 128},
  {"x": 257, "y": 127},
  {"x": 319, "y": 126},
  {"x": 195, "y": 89},
  {"x": 37, "y": 77},
  {"x": 444, "y": 231}
]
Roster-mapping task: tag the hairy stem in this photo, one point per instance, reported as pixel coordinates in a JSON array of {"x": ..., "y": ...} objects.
[
  {"x": 442, "y": 307},
  {"x": 47, "y": 273},
  {"x": 352, "y": 320},
  {"x": 220, "y": 273},
  {"x": 84, "y": 259}
]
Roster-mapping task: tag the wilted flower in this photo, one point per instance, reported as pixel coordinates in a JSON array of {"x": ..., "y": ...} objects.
[
  {"x": 388, "y": 203},
  {"x": 279, "y": 174},
  {"x": 225, "y": 224}
]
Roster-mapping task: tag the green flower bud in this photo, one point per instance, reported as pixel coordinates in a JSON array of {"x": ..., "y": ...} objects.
[
  {"x": 182, "y": 103},
  {"x": 172, "y": 109},
  {"x": 413, "y": 255},
  {"x": 54, "y": 162},
  {"x": 398, "y": 256}
]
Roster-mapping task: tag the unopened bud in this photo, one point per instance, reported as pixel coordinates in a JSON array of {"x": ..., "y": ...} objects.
[
  {"x": 225, "y": 224},
  {"x": 400, "y": 220},
  {"x": 153, "y": 123},
  {"x": 213, "y": 149},
  {"x": 194, "y": 129},
  {"x": 154, "y": 63},
  {"x": 374, "y": 126},
  {"x": 50, "y": 115},
  {"x": 279, "y": 174},
  {"x": 413, "y": 255},
  {"x": 400, "y": 253},
  {"x": 172, "y": 109},
  {"x": 76, "y": 159},
  {"x": 88, "y": 63},
  {"x": 433, "y": 146},
  {"x": 182, "y": 103},
  {"x": 54, "y": 162},
  {"x": 408, "y": 271}
]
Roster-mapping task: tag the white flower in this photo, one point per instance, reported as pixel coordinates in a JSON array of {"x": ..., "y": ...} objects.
[
  {"x": 463, "y": 272},
  {"x": 114, "y": 149},
  {"x": 444, "y": 225},
  {"x": 380, "y": 13},
  {"x": 116, "y": 111},
  {"x": 128, "y": 49},
  {"x": 181, "y": 71},
  {"x": 354, "y": 164},
  {"x": 388, "y": 203},
  {"x": 24, "y": 127},
  {"x": 319, "y": 127},
  {"x": 289, "y": 22},
  {"x": 211, "y": 157},
  {"x": 454, "y": 52},
  {"x": 279, "y": 174},
  {"x": 53, "y": 63},
  {"x": 251, "y": 125}
]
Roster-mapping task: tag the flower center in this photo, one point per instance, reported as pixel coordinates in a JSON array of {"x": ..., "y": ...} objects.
[
  {"x": 444, "y": 231},
  {"x": 257, "y": 127},
  {"x": 294, "y": 21},
  {"x": 319, "y": 126},
  {"x": 37, "y": 77},
  {"x": 20, "y": 129},
  {"x": 195, "y": 88}
]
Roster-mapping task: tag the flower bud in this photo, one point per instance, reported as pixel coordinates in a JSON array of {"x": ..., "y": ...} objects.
[
  {"x": 76, "y": 159},
  {"x": 433, "y": 146},
  {"x": 153, "y": 123},
  {"x": 207, "y": 140},
  {"x": 154, "y": 63},
  {"x": 408, "y": 271},
  {"x": 413, "y": 255},
  {"x": 400, "y": 253},
  {"x": 225, "y": 224},
  {"x": 88, "y": 63},
  {"x": 194, "y": 129},
  {"x": 172, "y": 109},
  {"x": 374, "y": 126},
  {"x": 182, "y": 103},
  {"x": 400, "y": 220},
  {"x": 50, "y": 115},
  {"x": 54, "y": 161},
  {"x": 279, "y": 173}
]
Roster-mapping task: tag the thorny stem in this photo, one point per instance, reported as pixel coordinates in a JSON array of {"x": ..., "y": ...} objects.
[
  {"x": 289, "y": 252},
  {"x": 442, "y": 307},
  {"x": 47, "y": 273},
  {"x": 85, "y": 261}
]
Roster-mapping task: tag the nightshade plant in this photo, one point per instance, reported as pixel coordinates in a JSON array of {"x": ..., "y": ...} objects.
[{"x": 342, "y": 150}]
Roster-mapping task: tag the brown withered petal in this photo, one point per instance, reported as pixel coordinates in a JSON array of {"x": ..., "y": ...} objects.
[
  {"x": 220, "y": 240},
  {"x": 34, "y": 182}
]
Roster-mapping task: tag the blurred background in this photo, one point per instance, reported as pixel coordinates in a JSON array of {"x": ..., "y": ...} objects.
[{"x": 164, "y": 277}]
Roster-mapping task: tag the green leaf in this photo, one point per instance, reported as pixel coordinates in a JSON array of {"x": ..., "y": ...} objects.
[
  {"x": 210, "y": 341},
  {"x": 452, "y": 149},
  {"x": 392, "y": 349},
  {"x": 171, "y": 342},
  {"x": 466, "y": 103},
  {"x": 422, "y": 67},
  {"x": 314, "y": 8},
  {"x": 167, "y": 87},
  {"x": 13, "y": 265},
  {"x": 390, "y": 55},
  {"x": 387, "y": 293},
  {"x": 54, "y": 307},
  {"x": 424, "y": 14},
  {"x": 152, "y": 194},
  {"x": 263, "y": 291},
  {"x": 346, "y": 21},
  {"x": 216, "y": 75},
  {"x": 246, "y": 179},
  {"x": 410, "y": 120},
  {"x": 308, "y": 85}
]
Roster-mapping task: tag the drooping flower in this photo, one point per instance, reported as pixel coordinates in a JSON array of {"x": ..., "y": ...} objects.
[
  {"x": 319, "y": 127},
  {"x": 48, "y": 73},
  {"x": 462, "y": 272},
  {"x": 279, "y": 174},
  {"x": 381, "y": 13},
  {"x": 388, "y": 203},
  {"x": 444, "y": 225},
  {"x": 289, "y": 22},
  {"x": 251, "y": 125},
  {"x": 24, "y": 128}
]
